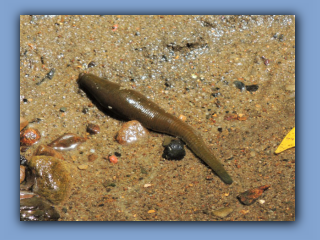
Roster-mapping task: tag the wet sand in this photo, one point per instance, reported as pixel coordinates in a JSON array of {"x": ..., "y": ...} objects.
[{"x": 187, "y": 65}]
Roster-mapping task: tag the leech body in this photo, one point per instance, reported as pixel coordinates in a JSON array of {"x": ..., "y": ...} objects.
[{"x": 135, "y": 106}]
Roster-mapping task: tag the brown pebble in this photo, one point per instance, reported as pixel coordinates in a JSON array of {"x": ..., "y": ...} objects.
[
  {"x": 250, "y": 196},
  {"x": 29, "y": 137},
  {"x": 22, "y": 173},
  {"x": 47, "y": 151},
  {"x": 67, "y": 141},
  {"x": 92, "y": 157},
  {"x": 131, "y": 132},
  {"x": 23, "y": 123},
  {"x": 93, "y": 128},
  {"x": 53, "y": 178},
  {"x": 231, "y": 117},
  {"x": 83, "y": 167}
]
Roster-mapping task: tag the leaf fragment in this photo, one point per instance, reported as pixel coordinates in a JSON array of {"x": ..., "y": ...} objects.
[{"x": 287, "y": 142}]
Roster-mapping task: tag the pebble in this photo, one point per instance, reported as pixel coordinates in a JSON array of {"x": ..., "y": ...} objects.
[
  {"x": 252, "y": 88},
  {"x": 23, "y": 123},
  {"x": 67, "y": 141},
  {"x": 36, "y": 208},
  {"x": 131, "y": 132},
  {"x": 239, "y": 85},
  {"x": 182, "y": 117},
  {"x": 289, "y": 87},
  {"x": 113, "y": 159},
  {"x": 23, "y": 160},
  {"x": 83, "y": 167},
  {"x": 93, "y": 128},
  {"x": 47, "y": 151},
  {"x": 222, "y": 212},
  {"x": 22, "y": 173},
  {"x": 174, "y": 150},
  {"x": 92, "y": 64},
  {"x": 250, "y": 196},
  {"x": 29, "y": 137},
  {"x": 52, "y": 178},
  {"x": 92, "y": 157}
]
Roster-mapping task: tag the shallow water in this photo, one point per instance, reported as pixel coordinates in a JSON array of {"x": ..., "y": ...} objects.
[{"x": 179, "y": 62}]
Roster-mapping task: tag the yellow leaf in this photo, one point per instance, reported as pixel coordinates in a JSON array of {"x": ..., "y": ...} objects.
[{"x": 287, "y": 142}]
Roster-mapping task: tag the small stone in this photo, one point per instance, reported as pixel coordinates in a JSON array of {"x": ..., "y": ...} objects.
[
  {"x": 250, "y": 196},
  {"x": 63, "y": 109},
  {"x": 35, "y": 208},
  {"x": 93, "y": 128},
  {"x": 131, "y": 132},
  {"x": 23, "y": 160},
  {"x": 261, "y": 201},
  {"x": 67, "y": 141},
  {"x": 239, "y": 85},
  {"x": 29, "y": 137},
  {"x": 50, "y": 74},
  {"x": 289, "y": 87},
  {"x": 147, "y": 185},
  {"x": 22, "y": 173},
  {"x": 113, "y": 159},
  {"x": 151, "y": 211},
  {"x": 83, "y": 167},
  {"x": 182, "y": 117},
  {"x": 92, "y": 64},
  {"x": 252, "y": 88},
  {"x": 47, "y": 151},
  {"x": 92, "y": 157},
  {"x": 52, "y": 178},
  {"x": 174, "y": 150},
  {"x": 23, "y": 123},
  {"x": 222, "y": 212}
]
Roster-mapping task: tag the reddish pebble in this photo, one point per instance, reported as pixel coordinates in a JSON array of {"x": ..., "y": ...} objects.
[
  {"x": 67, "y": 141},
  {"x": 250, "y": 196},
  {"x": 113, "y": 159},
  {"x": 29, "y": 137},
  {"x": 131, "y": 132},
  {"x": 93, "y": 128}
]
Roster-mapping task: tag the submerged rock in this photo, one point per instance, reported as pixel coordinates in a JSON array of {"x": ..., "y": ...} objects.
[
  {"x": 67, "y": 141},
  {"x": 47, "y": 151},
  {"x": 131, "y": 132},
  {"x": 29, "y": 137},
  {"x": 52, "y": 178},
  {"x": 37, "y": 209},
  {"x": 93, "y": 128}
]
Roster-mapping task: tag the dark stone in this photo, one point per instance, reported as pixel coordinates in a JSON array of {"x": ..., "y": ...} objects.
[
  {"x": 37, "y": 209},
  {"x": 239, "y": 85},
  {"x": 174, "y": 150},
  {"x": 252, "y": 88},
  {"x": 92, "y": 64}
]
